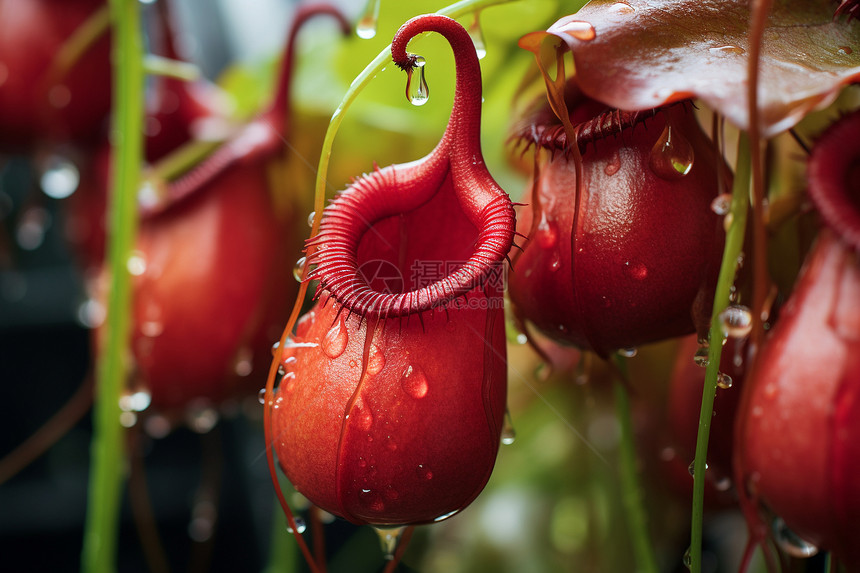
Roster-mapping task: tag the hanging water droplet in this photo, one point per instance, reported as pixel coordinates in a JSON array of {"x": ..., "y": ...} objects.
[
  {"x": 790, "y": 542},
  {"x": 509, "y": 434},
  {"x": 261, "y": 396},
  {"x": 547, "y": 233},
  {"x": 298, "y": 267},
  {"x": 628, "y": 352},
  {"x": 366, "y": 27},
  {"x": 60, "y": 177},
  {"x": 300, "y": 525},
  {"x": 736, "y": 321},
  {"x": 417, "y": 90},
  {"x": 389, "y": 537},
  {"x": 478, "y": 36},
  {"x": 335, "y": 340},
  {"x": 721, "y": 204},
  {"x": 688, "y": 559},
  {"x": 376, "y": 360},
  {"x": 672, "y": 156},
  {"x": 311, "y": 218},
  {"x": 724, "y": 381},
  {"x": 578, "y": 29},
  {"x": 414, "y": 382},
  {"x": 136, "y": 263},
  {"x": 692, "y": 468},
  {"x": 701, "y": 357}
]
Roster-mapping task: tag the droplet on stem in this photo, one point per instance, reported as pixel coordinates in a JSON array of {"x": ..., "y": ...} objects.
[
  {"x": 417, "y": 90},
  {"x": 736, "y": 321},
  {"x": 509, "y": 434},
  {"x": 389, "y": 537},
  {"x": 366, "y": 27},
  {"x": 478, "y": 36},
  {"x": 724, "y": 381},
  {"x": 298, "y": 267},
  {"x": 701, "y": 357}
]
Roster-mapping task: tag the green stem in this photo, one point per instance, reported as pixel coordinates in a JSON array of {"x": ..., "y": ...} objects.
[
  {"x": 358, "y": 84},
  {"x": 108, "y": 456},
  {"x": 734, "y": 244},
  {"x": 168, "y": 67},
  {"x": 631, "y": 492},
  {"x": 283, "y": 553}
]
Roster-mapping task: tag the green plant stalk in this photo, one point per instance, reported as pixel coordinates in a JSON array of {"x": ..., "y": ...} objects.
[
  {"x": 631, "y": 492},
  {"x": 455, "y": 10},
  {"x": 734, "y": 244},
  {"x": 283, "y": 554},
  {"x": 107, "y": 464}
]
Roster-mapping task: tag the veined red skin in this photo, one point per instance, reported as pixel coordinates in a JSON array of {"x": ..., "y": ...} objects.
[
  {"x": 393, "y": 414},
  {"x": 31, "y": 32},
  {"x": 796, "y": 440},
  {"x": 642, "y": 262}
]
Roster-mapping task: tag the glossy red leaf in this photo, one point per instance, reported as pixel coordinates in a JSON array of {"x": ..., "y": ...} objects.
[{"x": 637, "y": 54}]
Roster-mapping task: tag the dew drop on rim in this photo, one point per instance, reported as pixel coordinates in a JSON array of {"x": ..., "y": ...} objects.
[
  {"x": 790, "y": 542},
  {"x": 509, "y": 434},
  {"x": 417, "y": 90},
  {"x": 298, "y": 267},
  {"x": 60, "y": 177}
]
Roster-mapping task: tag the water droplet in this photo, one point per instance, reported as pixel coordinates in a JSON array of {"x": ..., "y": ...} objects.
[
  {"x": 366, "y": 27},
  {"x": 578, "y": 29},
  {"x": 622, "y": 8},
  {"x": 414, "y": 382},
  {"x": 135, "y": 401},
  {"x": 298, "y": 267},
  {"x": 243, "y": 364},
  {"x": 672, "y": 155},
  {"x": 728, "y": 49},
  {"x": 376, "y": 360},
  {"x": 201, "y": 418},
  {"x": 362, "y": 416},
  {"x": 417, "y": 90},
  {"x": 32, "y": 226},
  {"x": 60, "y": 177},
  {"x": 301, "y": 527},
  {"x": 614, "y": 163},
  {"x": 478, "y": 36},
  {"x": 91, "y": 313},
  {"x": 509, "y": 434},
  {"x": 311, "y": 218},
  {"x": 547, "y": 233},
  {"x": 335, "y": 340},
  {"x": 424, "y": 472},
  {"x": 721, "y": 204},
  {"x": 151, "y": 328},
  {"x": 790, "y": 542},
  {"x": 136, "y": 263},
  {"x": 555, "y": 261},
  {"x": 446, "y": 516},
  {"x": 688, "y": 559},
  {"x": 845, "y": 50},
  {"x": 389, "y": 537},
  {"x": 261, "y": 396},
  {"x": 724, "y": 381},
  {"x": 628, "y": 352},
  {"x": 522, "y": 338},
  {"x": 736, "y": 321},
  {"x": 692, "y": 468},
  {"x": 637, "y": 271},
  {"x": 701, "y": 357}
]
